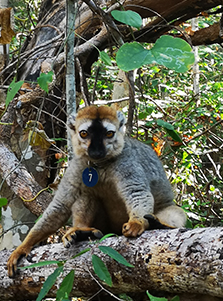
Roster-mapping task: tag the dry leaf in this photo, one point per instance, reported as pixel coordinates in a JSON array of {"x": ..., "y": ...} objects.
[
  {"x": 36, "y": 136},
  {"x": 7, "y": 32},
  {"x": 158, "y": 144},
  {"x": 25, "y": 86}
]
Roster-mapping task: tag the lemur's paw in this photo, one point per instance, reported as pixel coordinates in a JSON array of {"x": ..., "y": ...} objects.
[
  {"x": 134, "y": 228},
  {"x": 14, "y": 258},
  {"x": 77, "y": 234}
]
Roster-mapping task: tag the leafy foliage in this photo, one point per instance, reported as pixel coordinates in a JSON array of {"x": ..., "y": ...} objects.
[
  {"x": 12, "y": 90},
  {"x": 128, "y": 17},
  {"x": 66, "y": 286},
  {"x": 49, "y": 283},
  {"x": 26, "y": 16},
  {"x": 101, "y": 270},
  {"x": 3, "y": 202},
  {"x": 152, "y": 298},
  {"x": 173, "y": 53},
  {"x": 115, "y": 255},
  {"x": 44, "y": 80}
]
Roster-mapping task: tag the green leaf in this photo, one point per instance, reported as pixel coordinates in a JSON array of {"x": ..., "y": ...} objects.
[
  {"x": 128, "y": 17},
  {"x": 107, "y": 235},
  {"x": 115, "y": 255},
  {"x": 101, "y": 270},
  {"x": 189, "y": 224},
  {"x": 49, "y": 283},
  {"x": 3, "y": 202},
  {"x": 82, "y": 252},
  {"x": 125, "y": 297},
  {"x": 44, "y": 79},
  {"x": 169, "y": 129},
  {"x": 170, "y": 52},
  {"x": 40, "y": 264},
  {"x": 65, "y": 287},
  {"x": 173, "y": 53},
  {"x": 165, "y": 124},
  {"x": 175, "y": 298},
  {"x": 12, "y": 90},
  {"x": 105, "y": 58},
  {"x": 131, "y": 56},
  {"x": 152, "y": 298},
  {"x": 174, "y": 135}
]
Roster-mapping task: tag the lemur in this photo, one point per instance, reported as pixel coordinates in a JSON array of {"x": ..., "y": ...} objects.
[{"x": 110, "y": 185}]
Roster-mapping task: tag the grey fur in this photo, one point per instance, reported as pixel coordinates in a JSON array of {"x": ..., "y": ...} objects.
[{"x": 133, "y": 181}]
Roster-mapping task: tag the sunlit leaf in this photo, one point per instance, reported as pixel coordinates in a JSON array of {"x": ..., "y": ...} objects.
[
  {"x": 44, "y": 80},
  {"x": 81, "y": 253},
  {"x": 107, "y": 235},
  {"x": 131, "y": 56},
  {"x": 12, "y": 90},
  {"x": 128, "y": 17},
  {"x": 152, "y": 298},
  {"x": 174, "y": 53},
  {"x": 40, "y": 264},
  {"x": 115, "y": 255},
  {"x": 3, "y": 202},
  {"x": 170, "y": 52},
  {"x": 165, "y": 124},
  {"x": 105, "y": 58},
  {"x": 101, "y": 270}
]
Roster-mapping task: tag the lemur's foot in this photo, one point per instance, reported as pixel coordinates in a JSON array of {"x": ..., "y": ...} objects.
[
  {"x": 77, "y": 234},
  {"x": 134, "y": 227}
]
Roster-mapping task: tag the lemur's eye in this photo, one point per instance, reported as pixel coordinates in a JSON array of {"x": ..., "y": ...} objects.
[
  {"x": 110, "y": 134},
  {"x": 83, "y": 134}
]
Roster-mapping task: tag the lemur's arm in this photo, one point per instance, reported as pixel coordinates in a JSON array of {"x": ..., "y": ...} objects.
[{"x": 54, "y": 217}]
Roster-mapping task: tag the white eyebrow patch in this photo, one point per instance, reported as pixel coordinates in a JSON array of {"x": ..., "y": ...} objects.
[
  {"x": 85, "y": 125},
  {"x": 109, "y": 126}
]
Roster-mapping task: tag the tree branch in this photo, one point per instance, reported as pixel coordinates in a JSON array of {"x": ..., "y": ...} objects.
[{"x": 176, "y": 261}]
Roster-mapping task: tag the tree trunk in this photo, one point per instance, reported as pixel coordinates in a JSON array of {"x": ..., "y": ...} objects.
[{"x": 175, "y": 261}]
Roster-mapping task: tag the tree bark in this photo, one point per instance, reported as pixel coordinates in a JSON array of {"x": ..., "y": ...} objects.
[
  {"x": 175, "y": 261},
  {"x": 21, "y": 182}
]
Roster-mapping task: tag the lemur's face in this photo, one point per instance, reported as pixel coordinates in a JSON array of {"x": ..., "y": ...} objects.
[{"x": 98, "y": 133}]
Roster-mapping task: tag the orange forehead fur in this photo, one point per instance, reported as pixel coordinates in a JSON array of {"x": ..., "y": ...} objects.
[{"x": 93, "y": 112}]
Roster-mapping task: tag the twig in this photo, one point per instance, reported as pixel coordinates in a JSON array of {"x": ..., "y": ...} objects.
[
  {"x": 47, "y": 25},
  {"x": 31, "y": 51},
  {"x": 207, "y": 130},
  {"x": 95, "y": 84},
  {"x": 215, "y": 167},
  {"x": 130, "y": 78},
  {"x": 83, "y": 83},
  {"x": 102, "y": 288}
]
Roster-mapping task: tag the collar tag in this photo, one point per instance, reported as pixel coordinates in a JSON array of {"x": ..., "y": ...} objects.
[{"x": 90, "y": 176}]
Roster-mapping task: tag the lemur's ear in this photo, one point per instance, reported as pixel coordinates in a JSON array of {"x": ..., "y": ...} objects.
[
  {"x": 71, "y": 121},
  {"x": 122, "y": 120}
]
